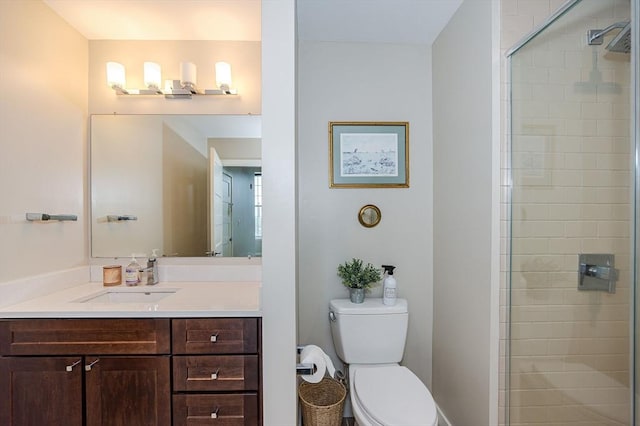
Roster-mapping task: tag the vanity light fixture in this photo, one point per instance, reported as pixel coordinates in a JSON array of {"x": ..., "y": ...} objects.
[{"x": 184, "y": 88}]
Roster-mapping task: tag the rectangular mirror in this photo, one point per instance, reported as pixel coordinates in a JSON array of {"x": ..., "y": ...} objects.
[{"x": 187, "y": 185}]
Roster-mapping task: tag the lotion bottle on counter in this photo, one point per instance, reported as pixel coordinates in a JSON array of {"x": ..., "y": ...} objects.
[
  {"x": 389, "y": 286},
  {"x": 132, "y": 272}
]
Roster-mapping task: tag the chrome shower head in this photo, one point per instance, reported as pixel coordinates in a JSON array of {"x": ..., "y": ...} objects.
[{"x": 622, "y": 42}]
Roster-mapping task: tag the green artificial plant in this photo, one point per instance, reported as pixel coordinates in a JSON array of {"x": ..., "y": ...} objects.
[{"x": 355, "y": 274}]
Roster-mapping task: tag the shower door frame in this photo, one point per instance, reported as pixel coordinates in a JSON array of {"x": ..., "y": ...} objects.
[
  {"x": 635, "y": 135},
  {"x": 634, "y": 351}
]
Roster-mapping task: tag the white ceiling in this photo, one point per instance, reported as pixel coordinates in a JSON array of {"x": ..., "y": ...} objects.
[{"x": 385, "y": 21}]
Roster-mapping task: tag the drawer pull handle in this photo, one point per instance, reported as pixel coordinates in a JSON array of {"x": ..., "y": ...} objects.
[
  {"x": 214, "y": 338},
  {"x": 69, "y": 368},
  {"x": 214, "y": 375},
  {"x": 214, "y": 415},
  {"x": 89, "y": 366}
]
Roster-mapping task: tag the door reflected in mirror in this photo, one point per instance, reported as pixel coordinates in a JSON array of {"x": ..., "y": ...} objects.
[{"x": 188, "y": 185}]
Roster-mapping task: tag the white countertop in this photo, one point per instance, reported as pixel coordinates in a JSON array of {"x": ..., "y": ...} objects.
[{"x": 190, "y": 299}]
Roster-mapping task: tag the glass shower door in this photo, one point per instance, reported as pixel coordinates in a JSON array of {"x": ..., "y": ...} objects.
[{"x": 571, "y": 211}]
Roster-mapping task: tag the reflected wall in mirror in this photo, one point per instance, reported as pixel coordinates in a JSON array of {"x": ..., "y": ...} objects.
[{"x": 187, "y": 185}]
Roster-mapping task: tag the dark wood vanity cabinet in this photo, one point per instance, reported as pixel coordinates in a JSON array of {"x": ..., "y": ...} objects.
[{"x": 118, "y": 372}]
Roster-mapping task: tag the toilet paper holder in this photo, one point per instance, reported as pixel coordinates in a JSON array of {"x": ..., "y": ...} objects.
[
  {"x": 305, "y": 369},
  {"x": 302, "y": 368}
]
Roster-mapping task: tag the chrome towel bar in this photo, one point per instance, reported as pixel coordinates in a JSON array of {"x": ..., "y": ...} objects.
[
  {"x": 120, "y": 218},
  {"x": 39, "y": 217}
]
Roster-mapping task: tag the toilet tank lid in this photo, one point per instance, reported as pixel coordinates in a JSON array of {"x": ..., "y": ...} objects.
[{"x": 370, "y": 306}]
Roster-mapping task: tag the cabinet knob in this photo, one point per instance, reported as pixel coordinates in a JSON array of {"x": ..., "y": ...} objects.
[
  {"x": 214, "y": 338},
  {"x": 69, "y": 368},
  {"x": 214, "y": 375},
  {"x": 89, "y": 366},
  {"x": 214, "y": 415}
]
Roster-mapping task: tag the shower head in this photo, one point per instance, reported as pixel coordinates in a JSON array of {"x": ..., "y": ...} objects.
[{"x": 622, "y": 42}]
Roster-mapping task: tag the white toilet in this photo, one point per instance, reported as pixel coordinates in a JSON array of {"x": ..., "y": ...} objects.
[{"x": 370, "y": 338}]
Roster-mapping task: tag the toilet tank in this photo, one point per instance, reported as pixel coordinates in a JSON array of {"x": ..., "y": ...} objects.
[{"x": 369, "y": 332}]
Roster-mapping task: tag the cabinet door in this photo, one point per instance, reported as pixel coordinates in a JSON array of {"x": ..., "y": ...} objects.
[
  {"x": 126, "y": 391},
  {"x": 41, "y": 391}
]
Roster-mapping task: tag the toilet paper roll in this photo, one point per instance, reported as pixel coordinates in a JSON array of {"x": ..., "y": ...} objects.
[{"x": 312, "y": 354}]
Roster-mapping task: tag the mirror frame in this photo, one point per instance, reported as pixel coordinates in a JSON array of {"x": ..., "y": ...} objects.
[{"x": 369, "y": 216}]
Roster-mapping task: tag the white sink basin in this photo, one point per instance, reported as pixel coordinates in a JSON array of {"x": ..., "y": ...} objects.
[{"x": 125, "y": 295}]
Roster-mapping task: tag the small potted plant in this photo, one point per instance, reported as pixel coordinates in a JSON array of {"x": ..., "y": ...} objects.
[{"x": 358, "y": 278}]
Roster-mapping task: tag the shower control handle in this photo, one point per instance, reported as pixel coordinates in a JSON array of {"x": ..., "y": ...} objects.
[
  {"x": 600, "y": 272},
  {"x": 596, "y": 272}
]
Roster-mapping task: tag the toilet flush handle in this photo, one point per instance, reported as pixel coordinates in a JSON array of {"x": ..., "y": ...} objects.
[{"x": 332, "y": 316}]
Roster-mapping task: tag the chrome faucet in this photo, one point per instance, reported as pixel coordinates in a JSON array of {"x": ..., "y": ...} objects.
[{"x": 152, "y": 269}]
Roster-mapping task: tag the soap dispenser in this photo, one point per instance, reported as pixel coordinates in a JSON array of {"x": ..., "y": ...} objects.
[
  {"x": 389, "y": 286},
  {"x": 152, "y": 268},
  {"x": 132, "y": 272}
]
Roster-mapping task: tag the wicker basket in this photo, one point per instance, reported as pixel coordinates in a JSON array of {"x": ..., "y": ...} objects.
[{"x": 322, "y": 403}]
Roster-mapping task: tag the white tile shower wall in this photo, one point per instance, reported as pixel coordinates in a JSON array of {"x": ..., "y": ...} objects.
[{"x": 572, "y": 176}]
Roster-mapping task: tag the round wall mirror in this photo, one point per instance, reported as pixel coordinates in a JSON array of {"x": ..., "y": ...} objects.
[{"x": 369, "y": 216}]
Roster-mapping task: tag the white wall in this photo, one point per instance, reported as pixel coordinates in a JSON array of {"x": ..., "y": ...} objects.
[
  {"x": 350, "y": 82},
  {"x": 279, "y": 212},
  {"x": 43, "y": 116},
  {"x": 463, "y": 191},
  {"x": 126, "y": 160},
  {"x": 185, "y": 197}
]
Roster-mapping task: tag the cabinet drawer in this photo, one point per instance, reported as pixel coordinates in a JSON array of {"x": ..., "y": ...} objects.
[
  {"x": 84, "y": 336},
  {"x": 215, "y": 336},
  {"x": 215, "y": 373},
  {"x": 227, "y": 410}
]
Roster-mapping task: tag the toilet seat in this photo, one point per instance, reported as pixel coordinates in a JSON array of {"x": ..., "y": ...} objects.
[{"x": 392, "y": 395}]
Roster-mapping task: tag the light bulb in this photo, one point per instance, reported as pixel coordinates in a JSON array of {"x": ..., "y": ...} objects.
[
  {"x": 152, "y": 74},
  {"x": 115, "y": 75},
  {"x": 223, "y": 76},
  {"x": 188, "y": 73}
]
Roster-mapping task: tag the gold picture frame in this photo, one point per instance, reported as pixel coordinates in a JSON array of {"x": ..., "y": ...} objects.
[{"x": 365, "y": 154}]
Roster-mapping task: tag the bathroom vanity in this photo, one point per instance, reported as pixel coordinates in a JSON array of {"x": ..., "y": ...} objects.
[{"x": 76, "y": 357}]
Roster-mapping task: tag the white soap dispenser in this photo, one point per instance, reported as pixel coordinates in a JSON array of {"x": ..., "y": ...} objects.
[
  {"x": 132, "y": 272},
  {"x": 389, "y": 286}
]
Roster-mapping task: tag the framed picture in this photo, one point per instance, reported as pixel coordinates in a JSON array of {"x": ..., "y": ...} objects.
[{"x": 369, "y": 154}]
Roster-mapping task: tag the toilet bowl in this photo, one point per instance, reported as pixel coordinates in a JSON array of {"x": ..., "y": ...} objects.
[
  {"x": 370, "y": 338},
  {"x": 390, "y": 395}
]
